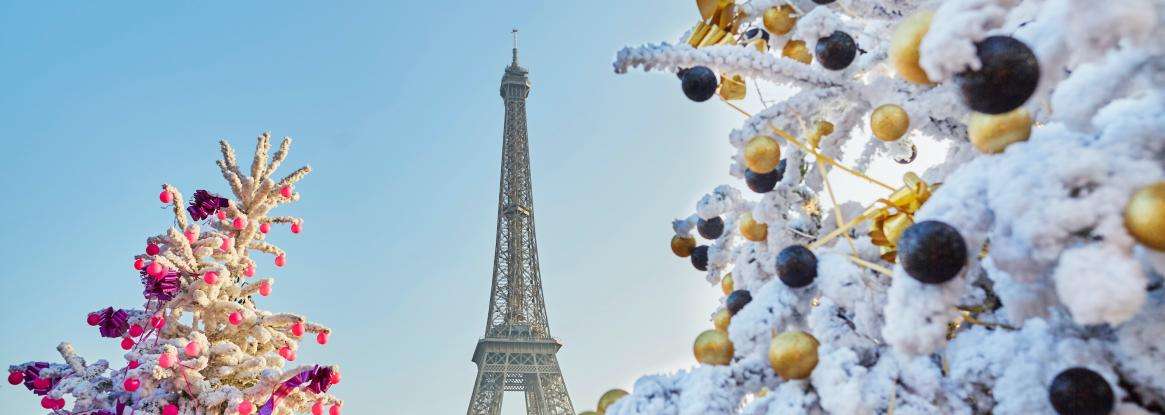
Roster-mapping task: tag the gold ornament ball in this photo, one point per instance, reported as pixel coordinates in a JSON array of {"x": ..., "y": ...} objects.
[
  {"x": 779, "y": 20},
  {"x": 682, "y": 246},
  {"x": 721, "y": 319},
  {"x": 889, "y": 122},
  {"x": 712, "y": 347},
  {"x": 762, "y": 154},
  {"x": 796, "y": 50},
  {"x": 753, "y": 229},
  {"x": 993, "y": 133},
  {"x": 726, "y": 284},
  {"x": 904, "y": 47},
  {"x": 1145, "y": 216},
  {"x": 609, "y": 399},
  {"x": 793, "y": 354}
]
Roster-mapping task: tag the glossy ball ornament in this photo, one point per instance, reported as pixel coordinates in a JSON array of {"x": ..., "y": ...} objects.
[
  {"x": 754, "y": 34},
  {"x": 264, "y": 227},
  {"x": 779, "y": 20},
  {"x": 265, "y": 288},
  {"x": 192, "y": 349},
  {"x": 797, "y": 266},
  {"x": 280, "y": 260},
  {"x": 824, "y": 1},
  {"x": 93, "y": 319},
  {"x": 152, "y": 249},
  {"x": 1080, "y": 391},
  {"x": 889, "y": 122},
  {"x": 245, "y": 408},
  {"x": 317, "y": 408},
  {"x": 133, "y": 364},
  {"x": 932, "y": 252},
  {"x": 165, "y": 197},
  {"x": 907, "y": 158},
  {"x": 47, "y": 402},
  {"x": 127, "y": 343},
  {"x": 136, "y": 330},
  {"x": 699, "y": 83},
  {"x": 764, "y": 182},
  {"x": 1145, "y": 216},
  {"x": 235, "y": 318},
  {"x": 131, "y": 384},
  {"x": 322, "y": 338},
  {"x": 157, "y": 321},
  {"x": 737, "y": 300},
  {"x": 836, "y": 51},
  {"x": 334, "y": 410},
  {"x": 793, "y": 354},
  {"x": 286, "y": 191},
  {"x": 721, "y": 319},
  {"x": 15, "y": 378},
  {"x": 170, "y": 409},
  {"x": 682, "y": 246},
  {"x": 762, "y": 154},
  {"x": 710, "y": 228},
  {"x": 296, "y": 227},
  {"x": 904, "y": 46},
  {"x": 798, "y": 51},
  {"x": 700, "y": 257},
  {"x": 753, "y": 229},
  {"x": 166, "y": 360},
  {"x": 335, "y": 379},
  {"x": 139, "y": 263},
  {"x": 712, "y": 347},
  {"x": 609, "y": 398},
  {"x": 991, "y": 134},
  {"x": 41, "y": 383},
  {"x": 1007, "y": 77},
  {"x": 726, "y": 284},
  {"x": 297, "y": 329}
]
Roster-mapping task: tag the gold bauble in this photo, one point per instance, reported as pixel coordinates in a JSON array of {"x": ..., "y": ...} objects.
[
  {"x": 889, "y": 122},
  {"x": 726, "y": 283},
  {"x": 762, "y": 154},
  {"x": 712, "y": 347},
  {"x": 793, "y": 354},
  {"x": 609, "y": 399},
  {"x": 752, "y": 229},
  {"x": 682, "y": 246},
  {"x": 1145, "y": 216},
  {"x": 721, "y": 319},
  {"x": 904, "y": 46},
  {"x": 779, "y": 20},
  {"x": 796, "y": 50},
  {"x": 993, "y": 133}
]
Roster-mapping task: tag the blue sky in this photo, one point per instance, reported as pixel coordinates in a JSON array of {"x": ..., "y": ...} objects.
[{"x": 395, "y": 106}]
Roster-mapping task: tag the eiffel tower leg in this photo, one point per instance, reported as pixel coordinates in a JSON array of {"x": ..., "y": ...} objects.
[
  {"x": 535, "y": 402},
  {"x": 487, "y": 393},
  {"x": 554, "y": 396}
]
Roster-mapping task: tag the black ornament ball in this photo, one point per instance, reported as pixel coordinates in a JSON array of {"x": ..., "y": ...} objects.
[
  {"x": 1080, "y": 391},
  {"x": 699, "y": 83},
  {"x": 737, "y": 300},
  {"x": 1007, "y": 78},
  {"x": 836, "y": 51},
  {"x": 710, "y": 228},
  {"x": 932, "y": 252},
  {"x": 754, "y": 33},
  {"x": 824, "y": 1},
  {"x": 700, "y": 257},
  {"x": 796, "y": 266},
  {"x": 764, "y": 183}
]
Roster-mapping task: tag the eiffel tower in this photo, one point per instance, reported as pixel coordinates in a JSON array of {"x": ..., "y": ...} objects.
[{"x": 517, "y": 352}]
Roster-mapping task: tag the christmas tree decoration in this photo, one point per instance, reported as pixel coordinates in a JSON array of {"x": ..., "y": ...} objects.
[
  {"x": 991, "y": 134},
  {"x": 737, "y": 300},
  {"x": 904, "y": 45},
  {"x": 796, "y": 266},
  {"x": 836, "y": 51},
  {"x": 889, "y": 122},
  {"x": 753, "y": 229},
  {"x": 932, "y": 252},
  {"x": 798, "y": 51},
  {"x": 700, "y": 257},
  {"x": 712, "y": 347},
  {"x": 726, "y": 284},
  {"x": 732, "y": 88},
  {"x": 710, "y": 228},
  {"x": 1080, "y": 391},
  {"x": 793, "y": 355},
  {"x": 824, "y": 1},
  {"x": 780, "y": 20},
  {"x": 699, "y": 83},
  {"x": 764, "y": 182},
  {"x": 909, "y": 157},
  {"x": 1007, "y": 77},
  {"x": 721, "y": 319},
  {"x": 1144, "y": 216},
  {"x": 762, "y": 154},
  {"x": 609, "y": 398}
]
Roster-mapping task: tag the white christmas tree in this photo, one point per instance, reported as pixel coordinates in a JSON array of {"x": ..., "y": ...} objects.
[
  {"x": 200, "y": 345},
  {"x": 1020, "y": 274}
]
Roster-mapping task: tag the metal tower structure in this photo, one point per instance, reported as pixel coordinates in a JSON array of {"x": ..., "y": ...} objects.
[{"x": 517, "y": 352}]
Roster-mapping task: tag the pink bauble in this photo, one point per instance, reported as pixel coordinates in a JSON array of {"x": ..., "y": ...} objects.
[
  {"x": 42, "y": 383},
  {"x": 335, "y": 377},
  {"x": 322, "y": 337},
  {"x": 166, "y": 360},
  {"x": 139, "y": 264},
  {"x": 235, "y": 318},
  {"x": 136, "y": 330},
  {"x": 210, "y": 277},
  {"x": 296, "y": 227},
  {"x": 280, "y": 260},
  {"x": 265, "y": 288},
  {"x": 155, "y": 269},
  {"x": 93, "y": 319},
  {"x": 165, "y": 197},
  {"x": 266, "y": 227},
  {"x": 152, "y": 249},
  {"x": 317, "y": 408},
  {"x": 239, "y": 223},
  {"x": 334, "y": 410},
  {"x": 245, "y": 408},
  {"x": 190, "y": 235},
  {"x": 170, "y": 409},
  {"x": 133, "y": 364},
  {"x": 249, "y": 271},
  {"x": 47, "y": 402},
  {"x": 225, "y": 245},
  {"x": 285, "y": 191},
  {"x": 126, "y": 343},
  {"x": 157, "y": 321},
  {"x": 297, "y": 329},
  {"x": 15, "y": 378},
  {"x": 192, "y": 349},
  {"x": 285, "y": 352},
  {"x": 131, "y": 384},
  {"x": 221, "y": 214}
]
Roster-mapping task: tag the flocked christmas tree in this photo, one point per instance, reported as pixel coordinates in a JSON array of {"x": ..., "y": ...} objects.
[
  {"x": 1020, "y": 274},
  {"x": 200, "y": 345}
]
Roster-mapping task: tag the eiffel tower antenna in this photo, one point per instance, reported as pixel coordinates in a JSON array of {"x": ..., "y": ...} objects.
[{"x": 517, "y": 352}]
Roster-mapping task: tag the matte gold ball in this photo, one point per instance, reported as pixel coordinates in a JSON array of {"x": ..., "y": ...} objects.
[
  {"x": 752, "y": 229},
  {"x": 793, "y": 354},
  {"x": 779, "y": 20},
  {"x": 1145, "y": 216},
  {"x": 762, "y": 154},
  {"x": 889, "y": 122},
  {"x": 721, "y": 319},
  {"x": 991, "y": 134},
  {"x": 609, "y": 399},
  {"x": 796, "y": 50},
  {"x": 712, "y": 347},
  {"x": 904, "y": 46},
  {"x": 682, "y": 246},
  {"x": 726, "y": 284}
]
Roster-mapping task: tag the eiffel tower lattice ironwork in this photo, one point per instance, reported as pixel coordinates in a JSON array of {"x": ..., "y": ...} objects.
[{"x": 517, "y": 352}]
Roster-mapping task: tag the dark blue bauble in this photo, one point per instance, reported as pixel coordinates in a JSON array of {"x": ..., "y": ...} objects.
[
  {"x": 796, "y": 266},
  {"x": 737, "y": 300},
  {"x": 824, "y": 1},
  {"x": 699, "y": 83},
  {"x": 754, "y": 33},
  {"x": 932, "y": 251},
  {"x": 836, "y": 51},
  {"x": 1080, "y": 391},
  {"x": 710, "y": 228},
  {"x": 700, "y": 257},
  {"x": 764, "y": 183},
  {"x": 1008, "y": 76}
]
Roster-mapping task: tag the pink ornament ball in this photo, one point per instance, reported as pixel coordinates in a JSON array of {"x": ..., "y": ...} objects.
[
  {"x": 48, "y": 402},
  {"x": 239, "y": 223},
  {"x": 190, "y": 235},
  {"x": 131, "y": 384},
  {"x": 317, "y": 408},
  {"x": 265, "y": 227},
  {"x": 334, "y": 410},
  {"x": 133, "y": 364},
  {"x": 245, "y": 408},
  {"x": 165, "y": 196},
  {"x": 296, "y": 227},
  {"x": 15, "y": 378},
  {"x": 221, "y": 214},
  {"x": 166, "y": 360},
  {"x": 285, "y": 191},
  {"x": 235, "y": 318},
  {"x": 250, "y": 271},
  {"x": 192, "y": 349},
  {"x": 265, "y": 288},
  {"x": 127, "y": 343},
  {"x": 280, "y": 260},
  {"x": 226, "y": 244},
  {"x": 155, "y": 269},
  {"x": 42, "y": 383},
  {"x": 297, "y": 329},
  {"x": 93, "y": 319},
  {"x": 157, "y": 321},
  {"x": 335, "y": 377},
  {"x": 136, "y": 330},
  {"x": 287, "y": 353},
  {"x": 152, "y": 249},
  {"x": 170, "y": 409},
  {"x": 322, "y": 337},
  {"x": 210, "y": 277},
  {"x": 139, "y": 263}
]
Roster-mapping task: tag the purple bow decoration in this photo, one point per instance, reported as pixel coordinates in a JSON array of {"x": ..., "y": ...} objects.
[
  {"x": 318, "y": 380},
  {"x": 113, "y": 323},
  {"x": 205, "y": 204}
]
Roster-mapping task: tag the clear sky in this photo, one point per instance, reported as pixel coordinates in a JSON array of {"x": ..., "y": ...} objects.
[{"x": 395, "y": 105}]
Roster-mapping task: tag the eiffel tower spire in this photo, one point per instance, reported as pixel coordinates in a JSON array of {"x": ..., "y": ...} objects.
[{"x": 517, "y": 352}]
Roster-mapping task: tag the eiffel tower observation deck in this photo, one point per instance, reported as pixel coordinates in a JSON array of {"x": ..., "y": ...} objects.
[{"x": 517, "y": 352}]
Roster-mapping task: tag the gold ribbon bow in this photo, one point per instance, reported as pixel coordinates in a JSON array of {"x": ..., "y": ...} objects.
[
  {"x": 897, "y": 213},
  {"x": 720, "y": 19}
]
